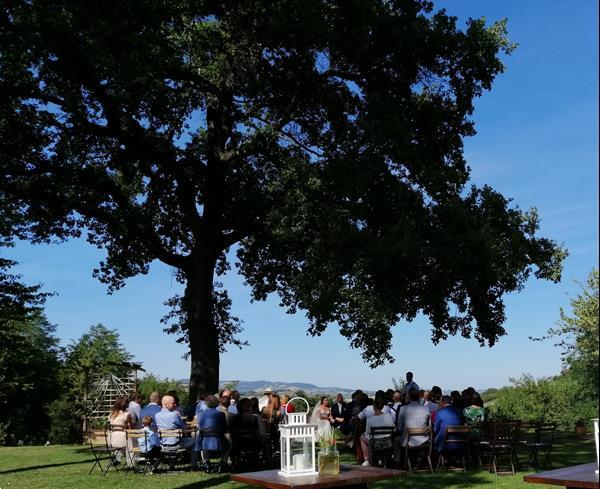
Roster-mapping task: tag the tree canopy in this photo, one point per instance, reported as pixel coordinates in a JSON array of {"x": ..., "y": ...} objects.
[
  {"x": 322, "y": 139},
  {"x": 578, "y": 335}
]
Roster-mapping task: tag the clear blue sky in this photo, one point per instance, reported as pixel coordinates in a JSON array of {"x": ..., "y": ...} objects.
[{"x": 537, "y": 143}]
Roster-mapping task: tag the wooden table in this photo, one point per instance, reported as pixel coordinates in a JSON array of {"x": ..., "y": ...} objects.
[
  {"x": 578, "y": 476},
  {"x": 350, "y": 477}
]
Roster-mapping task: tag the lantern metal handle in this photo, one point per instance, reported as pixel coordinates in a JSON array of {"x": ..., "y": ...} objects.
[{"x": 293, "y": 399}]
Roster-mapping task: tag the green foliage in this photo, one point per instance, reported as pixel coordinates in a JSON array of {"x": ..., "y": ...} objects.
[
  {"x": 98, "y": 351},
  {"x": 64, "y": 427},
  {"x": 324, "y": 138},
  {"x": 150, "y": 383},
  {"x": 490, "y": 394},
  {"x": 29, "y": 378},
  {"x": 560, "y": 400},
  {"x": 579, "y": 335}
]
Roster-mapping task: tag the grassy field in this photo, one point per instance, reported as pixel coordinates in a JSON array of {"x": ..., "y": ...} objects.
[{"x": 66, "y": 467}]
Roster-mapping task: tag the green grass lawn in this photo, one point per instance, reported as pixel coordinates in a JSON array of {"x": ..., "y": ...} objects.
[{"x": 66, "y": 467}]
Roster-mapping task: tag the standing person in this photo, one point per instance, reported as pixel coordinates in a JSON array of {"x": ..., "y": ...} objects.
[
  {"x": 286, "y": 407},
  {"x": 135, "y": 409},
  {"x": 340, "y": 415},
  {"x": 410, "y": 384},
  {"x": 264, "y": 400},
  {"x": 321, "y": 416}
]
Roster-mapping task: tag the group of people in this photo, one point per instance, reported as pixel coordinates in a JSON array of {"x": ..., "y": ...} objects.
[
  {"x": 211, "y": 420},
  {"x": 400, "y": 409},
  {"x": 217, "y": 417}
]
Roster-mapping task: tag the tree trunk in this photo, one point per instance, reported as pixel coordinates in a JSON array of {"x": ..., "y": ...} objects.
[{"x": 202, "y": 332}]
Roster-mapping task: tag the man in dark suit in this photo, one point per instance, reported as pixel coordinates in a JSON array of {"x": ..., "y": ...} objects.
[
  {"x": 447, "y": 415},
  {"x": 341, "y": 415}
]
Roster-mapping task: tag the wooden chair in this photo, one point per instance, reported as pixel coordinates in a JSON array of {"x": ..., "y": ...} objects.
[
  {"x": 173, "y": 455},
  {"x": 381, "y": 445},
  {"x": 455, "y": 447},
  {"x": 542, "y": 442},
  {"x": 503, "y": 447},
  {"x": 135, "y": 454},
  {"x": 421, "y": 450},
  {"x": 102, "y": 452},
  {"x": 247, "y": 449}
]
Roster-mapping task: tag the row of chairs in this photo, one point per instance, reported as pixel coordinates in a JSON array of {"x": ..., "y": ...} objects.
[
  {"x": 248, "y": 450},
  {"x": 497, "y": 441},
  {"x": 106, "y": 453}
]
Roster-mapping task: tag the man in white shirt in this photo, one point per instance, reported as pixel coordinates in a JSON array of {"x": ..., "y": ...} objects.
[
  {"x": 410, "y": 384},
  {"x": 394, "y": 409},
  {"x": 379, "y": 419}
]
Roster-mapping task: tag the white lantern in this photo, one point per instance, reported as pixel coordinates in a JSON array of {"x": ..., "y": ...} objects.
[{"x": 297, "y": 444}]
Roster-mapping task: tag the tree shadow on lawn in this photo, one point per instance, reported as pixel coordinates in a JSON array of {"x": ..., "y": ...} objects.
[{"x": 46, "y": 466}]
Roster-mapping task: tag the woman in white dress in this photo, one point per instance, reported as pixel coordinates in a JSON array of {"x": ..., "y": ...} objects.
[{"x": 321, "y": 416}]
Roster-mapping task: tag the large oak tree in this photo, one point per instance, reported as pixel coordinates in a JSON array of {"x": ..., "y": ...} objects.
[{"x": 322, "y": 139}]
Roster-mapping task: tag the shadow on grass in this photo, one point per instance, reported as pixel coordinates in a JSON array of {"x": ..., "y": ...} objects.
[
  {"x": 205, "y": 483},
  {"x": 46, "y": 466}
]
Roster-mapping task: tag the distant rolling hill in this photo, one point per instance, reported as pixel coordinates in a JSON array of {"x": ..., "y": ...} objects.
[{"x": 258, "y": 386}]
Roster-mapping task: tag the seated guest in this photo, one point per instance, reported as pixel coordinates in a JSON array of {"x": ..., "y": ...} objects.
[
  {"x": 212, "y": 427},
  {"x": 369, "y": 410},
  {"x": 255, "y": 412},
  {"x": 179, "y": 409},
  {"x": 429, "y": 402},
  {"x": 473, "y": 413},
  {"x": 224, "y": 403},
  {"x": 245, "y": 419},
  {"x": 135, "y": 409},
  {"x": 168, "y": 419},
  {"x": 379, "y": 419},
  {"x": 436, "y": 393},
  {"x": 150, "y": 444},
  {"x": 341, "y": 415},
  {"x": 446, "y": 415},
  {"x": 393, "y": 409},
  {"x": 152, "y": 407},
  {"x": 270, "y": 413},
  {"x": 413, "y": 415},
  {"x": 119, "y": 420},
  {"x": 235, "y": 398},
  {"x": 200, "y": 405},
  {"x": 456, "y": 400}
]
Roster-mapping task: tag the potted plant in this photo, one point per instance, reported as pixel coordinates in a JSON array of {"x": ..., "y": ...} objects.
[
  {"x": 580, "y": 427},
  {"x": 329, "y": 457}
]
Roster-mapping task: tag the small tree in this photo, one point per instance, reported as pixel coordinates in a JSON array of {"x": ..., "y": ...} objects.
[
  {"x": 29, "y": 357},
  {"x": 579, "y": 333},
  {"x": 98, "y": 351}
]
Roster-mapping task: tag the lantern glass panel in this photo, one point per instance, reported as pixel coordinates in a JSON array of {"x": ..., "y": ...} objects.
[{"x": 301, "y": 454}]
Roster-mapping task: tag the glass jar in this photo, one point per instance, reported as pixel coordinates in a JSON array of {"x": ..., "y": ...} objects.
[{"x": 329, "y": 461}]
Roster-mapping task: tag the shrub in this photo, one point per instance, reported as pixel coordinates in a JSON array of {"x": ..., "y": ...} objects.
[
  {"x": 561, "y": 400},
  {"x": 65, "y": 426}
]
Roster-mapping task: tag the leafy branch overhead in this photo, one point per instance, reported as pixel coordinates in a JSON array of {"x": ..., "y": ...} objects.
[{"x": 323, "y": 139}]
